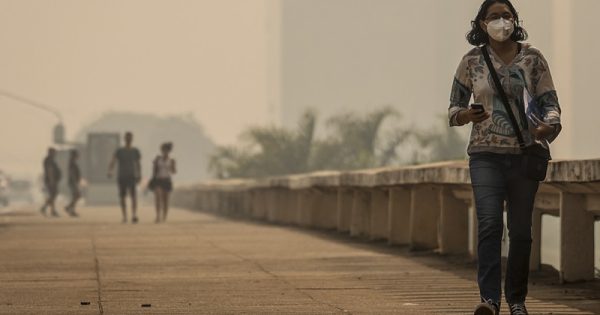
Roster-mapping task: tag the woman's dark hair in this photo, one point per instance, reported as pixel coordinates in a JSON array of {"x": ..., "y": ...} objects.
[
  {"x": 168, "y": 146},
  {"x": 477, "y": 36}
]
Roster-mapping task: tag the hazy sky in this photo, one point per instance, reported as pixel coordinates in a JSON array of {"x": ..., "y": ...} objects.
[
  {"x": 210, "y": 59},
  {"x": 202, "y": 57}
]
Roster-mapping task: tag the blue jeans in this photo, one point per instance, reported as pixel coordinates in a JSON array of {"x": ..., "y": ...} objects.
[{"x": 497, "y": 178}]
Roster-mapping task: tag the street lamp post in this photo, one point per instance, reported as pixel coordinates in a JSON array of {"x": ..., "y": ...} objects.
[{"x": 59, "y": 129}]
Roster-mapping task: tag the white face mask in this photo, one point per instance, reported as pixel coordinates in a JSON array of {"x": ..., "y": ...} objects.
[{"x": 500, "y": 29}]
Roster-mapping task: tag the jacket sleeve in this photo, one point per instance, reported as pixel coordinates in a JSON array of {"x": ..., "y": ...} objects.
[
  {"x": 461, "y": 92},
  {"x": 545, "y": 93}
]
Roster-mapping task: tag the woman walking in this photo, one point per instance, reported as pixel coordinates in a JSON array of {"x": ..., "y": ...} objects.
[
  {"x": 161, "y": 183},
  {"x": 502, "y": 73},
  {"x": 74, "y": 182}
]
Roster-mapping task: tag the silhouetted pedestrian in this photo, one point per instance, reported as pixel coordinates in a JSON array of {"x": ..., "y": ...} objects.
[
  {"x": 74, "y": 179},
  {"x": 51, "y": 179},
  {"x": 128, "y": 175},
  {"x": 161, "y": 182}
]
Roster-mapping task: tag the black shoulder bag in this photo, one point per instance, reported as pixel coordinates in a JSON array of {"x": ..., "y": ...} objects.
[
  {"x": 535, "y": 157},
  {"x": 154, "y": 179}
]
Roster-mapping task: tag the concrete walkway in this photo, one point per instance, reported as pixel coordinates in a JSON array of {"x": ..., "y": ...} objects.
[{"x": 201, "y": 264}]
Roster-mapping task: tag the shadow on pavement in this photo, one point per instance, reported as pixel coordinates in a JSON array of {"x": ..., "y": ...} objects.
[{"x": 544, "y": 284}]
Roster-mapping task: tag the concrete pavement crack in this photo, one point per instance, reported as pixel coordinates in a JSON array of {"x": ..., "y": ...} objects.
[
  {"x": 97, "y": 270},
  {"x": 263, "y": 269}
]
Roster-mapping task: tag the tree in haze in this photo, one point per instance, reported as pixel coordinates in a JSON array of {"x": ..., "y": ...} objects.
[
  {"x": 355, "y": 142},
  {"x": 267, "y": 151},
  {"x": 440, "y": 143},
  {"x": 192, "y": 147}
]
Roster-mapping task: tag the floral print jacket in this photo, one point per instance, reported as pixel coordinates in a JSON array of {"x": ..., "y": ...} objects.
[{"x": 527, "y": 75}]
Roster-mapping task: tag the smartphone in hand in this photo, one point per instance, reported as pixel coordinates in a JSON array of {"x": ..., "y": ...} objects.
[{"x": 478, "y": 107}]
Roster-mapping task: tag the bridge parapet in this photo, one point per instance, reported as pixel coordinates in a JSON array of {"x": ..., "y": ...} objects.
[{"x": 427, "y": 207}]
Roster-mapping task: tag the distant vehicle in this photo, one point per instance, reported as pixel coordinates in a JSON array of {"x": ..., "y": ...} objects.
[
  {"x": 100, "y": 148},
  {"x": 21, "y": 190},
  {"x": 4, "y": 201}
]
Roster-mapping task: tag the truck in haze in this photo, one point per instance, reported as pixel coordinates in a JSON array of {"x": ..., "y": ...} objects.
[
  {"x": 4, "y": 200},
  {"x": 99, "y": 150},
  {"x": 21, "y": 190}
]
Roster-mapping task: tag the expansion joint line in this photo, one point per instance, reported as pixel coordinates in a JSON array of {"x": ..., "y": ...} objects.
[
  {"x": 263, "y": 269},
  {"x": 97, "y": 269}
]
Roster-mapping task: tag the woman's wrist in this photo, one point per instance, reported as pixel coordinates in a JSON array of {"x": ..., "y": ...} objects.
[{"x": 460, "y": 117}]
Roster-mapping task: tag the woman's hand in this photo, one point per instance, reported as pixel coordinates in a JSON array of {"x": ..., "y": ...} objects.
[
  {"x": 471, "y": 115},
  {"x": 542, "y": 130}
]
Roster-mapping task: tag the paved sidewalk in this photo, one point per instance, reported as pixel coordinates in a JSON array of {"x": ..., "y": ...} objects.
[{"x": 201, "y": 264}]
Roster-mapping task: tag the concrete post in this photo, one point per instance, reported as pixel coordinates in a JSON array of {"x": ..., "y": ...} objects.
[
  {"x": 201, "y": 201},
  {"x": 306, "y": 204},
  {"x": 359, "y": 224},
  {"x": 204, "y": 201},
  {"x": 235, "y": 204},
  {"x": 576, "y": 238},
  {"x": 345, "y": 199},
  {"x": 214, "y": 202},
  {"x": 424, "y": 217},
  {"x": 294, "y": 201},
  {"x": 211, "y": 200},
  {"x": 226, "y": 199},
  {"x": 247, "y": 207},
  {"x": 259, "y": 210},
  {"x": 399, "y": 215},
  {"x": 286, "y": 202},
  {"x": 325, "y": 209},
  {"x": 378, "y": 210},
  {"x": 535, "y": 260},
  {"x": 453, "y": 237},
  {"x": 222, "y": 201},
  {"x": 283, "y": 207},
  {"x": 217, "y": 202},
  {"x": 226, "y": 202},
  {"x": 271, "y": 204},
  {"x": 239, "y": 203}
]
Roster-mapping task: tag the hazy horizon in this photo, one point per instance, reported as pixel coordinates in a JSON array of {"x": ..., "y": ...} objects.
[
  {"x": 199, "y": 58},
  {"x": 231, "y": 64}
]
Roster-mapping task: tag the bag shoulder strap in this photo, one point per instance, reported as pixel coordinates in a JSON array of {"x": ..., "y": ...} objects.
[
  {"x": 155, "y": 166},
  {"x": 503, "y": 96}
]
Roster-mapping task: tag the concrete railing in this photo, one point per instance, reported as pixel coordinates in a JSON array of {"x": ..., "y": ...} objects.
[{"x": 424, "y": 207}]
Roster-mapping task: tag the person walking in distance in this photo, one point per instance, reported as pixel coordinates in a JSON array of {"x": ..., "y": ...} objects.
[
  {"x": 128, "y": 175},
  {"x": 501, "y": 73},
  {"x": 161, "y": 183},
  {"x": 74, "y": 179},
  {"x": 51, "y": 179}
]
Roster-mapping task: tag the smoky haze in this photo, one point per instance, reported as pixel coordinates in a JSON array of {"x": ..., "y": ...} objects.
[
  {"x": 231, "y": 64},
  {"x": 352, "y": 54},
  {"x": 199, "y": 58}
]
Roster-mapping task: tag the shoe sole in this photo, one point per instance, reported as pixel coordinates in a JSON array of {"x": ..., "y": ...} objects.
[{"x": 483, "y": 310}]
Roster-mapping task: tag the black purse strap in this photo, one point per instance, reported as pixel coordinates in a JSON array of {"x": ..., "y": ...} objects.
[
  {"x": 503, "y": 96},
  {"x": 155, "y": 167}
]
